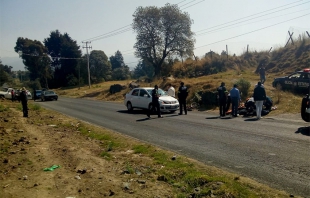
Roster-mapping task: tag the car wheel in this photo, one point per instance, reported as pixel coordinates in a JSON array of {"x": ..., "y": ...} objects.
[
  {"x": 305, "y": 116},
  {"x": 129, "y": 106}
]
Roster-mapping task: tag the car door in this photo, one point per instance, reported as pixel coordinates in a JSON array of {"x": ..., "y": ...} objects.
[
  {"x": 291, "y": 81},
  {"x": 135, "y": 98},
  {"x": 144, "y": 99},
  {"x": 303, "y": 81}
]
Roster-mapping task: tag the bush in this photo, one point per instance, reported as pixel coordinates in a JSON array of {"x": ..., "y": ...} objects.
[{"x": 244, "y": 87}]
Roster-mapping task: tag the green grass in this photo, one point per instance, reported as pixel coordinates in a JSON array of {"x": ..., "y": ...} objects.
[
  {"x": 3, "y": 108},
  {"x": 181, "y": 173}
]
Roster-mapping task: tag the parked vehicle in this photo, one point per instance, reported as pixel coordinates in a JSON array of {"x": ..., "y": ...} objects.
[
  {"x": 142, "y": 98},
  {"x": 298, "y": 81},
  {"x": 305, "y": 108},
  {"x": 6, "y": 93},
  {"x": 37, "y": 95},
  {"x": 48, "y": 95}
]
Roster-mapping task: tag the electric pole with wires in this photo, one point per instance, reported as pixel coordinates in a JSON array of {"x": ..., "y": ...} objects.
[{"x": 87, "y": 47}]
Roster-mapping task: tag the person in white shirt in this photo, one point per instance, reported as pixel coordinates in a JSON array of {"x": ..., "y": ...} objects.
[{"x": 171, "y": 90}]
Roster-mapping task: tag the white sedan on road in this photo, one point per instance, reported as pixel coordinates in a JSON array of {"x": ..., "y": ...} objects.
[{"x": 142, "y": 98}]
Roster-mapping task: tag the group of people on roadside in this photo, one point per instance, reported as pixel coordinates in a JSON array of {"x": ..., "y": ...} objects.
[
  {"x": 259, "y": 97},
  {"x": 182, "y": 95}
]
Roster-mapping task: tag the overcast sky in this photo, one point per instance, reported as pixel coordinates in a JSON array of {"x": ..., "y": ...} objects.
[{"x": 261, "y": 24}]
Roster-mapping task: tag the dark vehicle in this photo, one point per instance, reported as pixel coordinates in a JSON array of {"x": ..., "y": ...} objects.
[
  {"x": 48, "y": 95},
  {"x": 305, "y": 108},
  {"x": 298, "y": 81},
  {"x": 37, "y": 94}
]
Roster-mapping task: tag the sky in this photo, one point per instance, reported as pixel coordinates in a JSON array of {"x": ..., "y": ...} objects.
[{"x": 236, "y": 24}]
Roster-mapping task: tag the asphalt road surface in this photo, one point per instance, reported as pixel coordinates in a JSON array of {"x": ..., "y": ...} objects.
[{"x": 273, "y": 150}]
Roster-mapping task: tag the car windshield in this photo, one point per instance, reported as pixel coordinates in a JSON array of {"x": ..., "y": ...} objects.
[
  {"x": 160, "y": 91},
  {"x": 38, "y": 91},
  {"x": 49, "y": 92}
]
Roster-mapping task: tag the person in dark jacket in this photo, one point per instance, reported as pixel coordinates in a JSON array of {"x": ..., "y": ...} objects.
[
  {"x": 182, "y": 95},
  {"x": 24, "y": 100},
  {"x": 259, "y": 98},
  {"x": 155, "y": 103},
  {"x": 222, "y": 96}
]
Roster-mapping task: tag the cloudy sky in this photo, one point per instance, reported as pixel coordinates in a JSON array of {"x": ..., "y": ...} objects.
[{"x": 260, "y": 24}]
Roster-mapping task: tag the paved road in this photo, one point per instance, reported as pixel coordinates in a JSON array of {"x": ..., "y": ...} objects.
[{"x": 274, "y": 151}]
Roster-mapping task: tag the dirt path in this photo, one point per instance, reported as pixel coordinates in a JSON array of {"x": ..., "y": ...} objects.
[{"x": 31, "y": 144}]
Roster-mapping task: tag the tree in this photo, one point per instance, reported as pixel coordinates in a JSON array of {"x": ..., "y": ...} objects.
[
  {"x": 117, "y": 61},
  {"x": 100, "y": 67},
  {"x": 65, "y": 54},
  {"x": 4, "y": 75},
  {"x": 143, "y": 69},
  {"x": 120, "y": 71},
  {"x": 162, "y": 32},
  {"x": 35, "y": 59}
]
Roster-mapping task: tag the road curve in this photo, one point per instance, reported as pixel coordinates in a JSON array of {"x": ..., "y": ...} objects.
[{"x": 272, "y": 151}]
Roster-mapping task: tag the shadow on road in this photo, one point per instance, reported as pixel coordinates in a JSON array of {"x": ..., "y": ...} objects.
[
  {"x": 132, "y": 112},
  {"x": 210, "y": 118},
  {"x": 251, "y": 119},
  {"x": 303, "y": 130}
]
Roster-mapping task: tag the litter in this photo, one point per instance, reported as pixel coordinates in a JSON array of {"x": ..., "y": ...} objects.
[{"x": 51, "y": 168}]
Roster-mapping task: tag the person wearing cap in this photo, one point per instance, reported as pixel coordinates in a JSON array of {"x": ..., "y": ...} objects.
[
  {"x": 235, "y": 99},
  {"x": 155, "y": 103},
  {"x": 222, "y": 96},
  {"x": 24, "y": 100},
  {"x": 182, "y": 95},
  {"x": 259, "y": 98}
]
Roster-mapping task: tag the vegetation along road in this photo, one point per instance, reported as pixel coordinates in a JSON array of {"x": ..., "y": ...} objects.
[{"x": 272, "y": 150}]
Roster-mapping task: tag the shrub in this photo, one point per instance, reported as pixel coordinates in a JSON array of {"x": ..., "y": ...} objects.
[{"x": 244, "y": 87}]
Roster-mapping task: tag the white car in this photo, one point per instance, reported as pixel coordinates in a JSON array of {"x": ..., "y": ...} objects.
[{"x": 142, "y": 98}]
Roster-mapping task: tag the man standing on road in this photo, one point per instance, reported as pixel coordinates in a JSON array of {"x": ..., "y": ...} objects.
[
  {"x": 24, "y": 100},
  {"x": 155, "y": 103},
  {"x": 262, "y": 74},
  {"x": 235, "y": 99},
  {"x": 259, "y": 97},
  {"x": 222, "y": 99},
  {"x": 171, "y": 90},
  {"x": 182, "y": 95}
]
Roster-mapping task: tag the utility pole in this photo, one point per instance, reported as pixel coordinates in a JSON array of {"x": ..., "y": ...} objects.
[
  {"x": 227, "y": 51},
  {"x": 87, "y": 47}
]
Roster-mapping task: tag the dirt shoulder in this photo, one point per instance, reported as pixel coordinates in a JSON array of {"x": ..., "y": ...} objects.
[
  {"x": 96, "y": 162},
  {"x": 31, "y": 144}
]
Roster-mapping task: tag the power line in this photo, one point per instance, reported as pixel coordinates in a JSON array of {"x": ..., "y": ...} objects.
[
  {"x": 224, "y": 27},
  {"x": 220, "y": 29},
  {"x": 106, "y": 33},
  {"x": 252, "y": 31},
  {"x": 120, "y": 31},
  {"x": 193, "y": 4},
  {"x": 187, "y": 3},
  {"x": 255, "y": 14}
]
